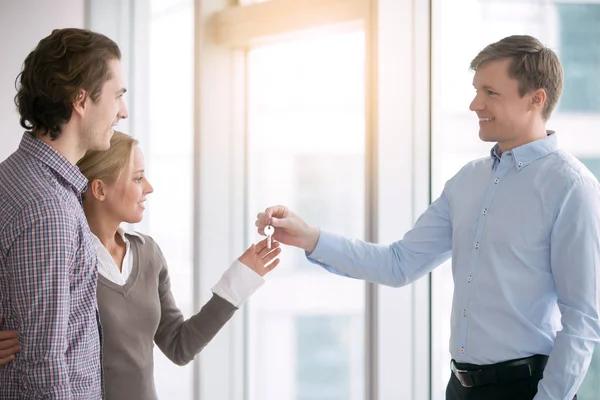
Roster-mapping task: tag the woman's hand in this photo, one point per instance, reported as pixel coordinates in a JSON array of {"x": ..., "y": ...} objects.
[{"x": 261, "y": 259}]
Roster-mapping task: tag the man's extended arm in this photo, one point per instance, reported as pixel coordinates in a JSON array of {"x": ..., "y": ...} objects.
[{"x": 424, "y": 247}]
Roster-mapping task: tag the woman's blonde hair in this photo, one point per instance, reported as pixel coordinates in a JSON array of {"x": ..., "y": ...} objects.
[{"x": 108, "y": 165}]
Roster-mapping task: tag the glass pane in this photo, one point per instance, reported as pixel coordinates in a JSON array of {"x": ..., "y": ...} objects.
[
  {"x": 580, "y": 56},
  {"x": 306, "y": 150},
  {"x": 169, "y": 160},
  {"x": 569, "y": 28}
]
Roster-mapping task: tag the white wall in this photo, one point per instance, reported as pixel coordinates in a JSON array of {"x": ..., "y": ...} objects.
[{"x": 22, "y": 24}]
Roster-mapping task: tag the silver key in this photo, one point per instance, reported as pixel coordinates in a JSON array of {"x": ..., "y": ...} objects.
[{"x": 269, "y": 231}]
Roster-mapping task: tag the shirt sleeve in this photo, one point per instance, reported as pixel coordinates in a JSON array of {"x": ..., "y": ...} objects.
[
  {"x": 575, "y": 264},
  {"x": 238, "y": 283},
  {"x": 181, "y": 340},
  {"x": 424, "y": 247},
  {"x": 38, "y": 266}
]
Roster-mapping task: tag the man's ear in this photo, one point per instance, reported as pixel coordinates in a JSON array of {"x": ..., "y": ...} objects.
[
  {"x": 80, "y": 102},
  {"x": 538, "y": 99},
  {"x": 97, "y": 188}
]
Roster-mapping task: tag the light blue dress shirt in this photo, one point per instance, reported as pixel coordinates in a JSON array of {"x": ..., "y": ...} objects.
[{"x": 523, "y": 231}]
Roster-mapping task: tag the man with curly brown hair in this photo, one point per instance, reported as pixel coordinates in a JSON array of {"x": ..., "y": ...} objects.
[{"x": 70, "y": 97}]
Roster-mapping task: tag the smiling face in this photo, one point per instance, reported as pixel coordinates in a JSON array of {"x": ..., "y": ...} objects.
[
  {"x": 504, "y": 115},
  {"x": 101, "y": 116},
  {"x": 518, "y": 82},
  {"x": 125, "y": 198}
]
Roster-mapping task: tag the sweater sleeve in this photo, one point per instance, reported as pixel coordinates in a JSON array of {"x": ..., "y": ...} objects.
[{"x": 181, "y": 340}]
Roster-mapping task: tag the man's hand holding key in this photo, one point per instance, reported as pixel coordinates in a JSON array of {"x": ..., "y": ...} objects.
[{"x": 287, "y": 227}]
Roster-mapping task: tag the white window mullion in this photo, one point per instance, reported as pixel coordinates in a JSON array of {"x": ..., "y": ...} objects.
[{"x": 403, "y": 191}]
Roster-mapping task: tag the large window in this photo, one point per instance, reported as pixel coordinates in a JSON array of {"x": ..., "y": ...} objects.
[
  {"x": 579, "y": 28},
  {"x": 168, "y": 145},
  {"x": 571, "y": 29},
  {"x": 309, "y": 120},
  {"x": 325, "y": 356},
  {"x": 306, "y": 149},
  {"x": 156, "y": 38}
]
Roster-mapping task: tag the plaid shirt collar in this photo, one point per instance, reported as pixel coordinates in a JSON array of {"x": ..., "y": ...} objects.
[{"x": 54, "y": 160}]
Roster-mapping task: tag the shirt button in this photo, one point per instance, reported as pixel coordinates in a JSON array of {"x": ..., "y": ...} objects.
[
  {"x": 520, "y": 164},
  {"x": 477, "y": 245},
  {"x": 469, "y": 279},
  {"x": 462, "y": 350},
  {"x": 464, "y": 313},
  {"x": 485, "y": 211},
  {"x": 496, "y": 180},
  {"x": 320, "y": 260}
]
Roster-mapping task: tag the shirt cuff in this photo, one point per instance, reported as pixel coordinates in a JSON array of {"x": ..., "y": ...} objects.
[
  {"x": 323, "y": 251},
  {"x": 238, "y": 283},
  {"x": 328, "y": 253}
]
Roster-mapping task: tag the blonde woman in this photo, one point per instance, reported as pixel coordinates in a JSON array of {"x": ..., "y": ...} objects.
[{"x": 137, "y": 308}]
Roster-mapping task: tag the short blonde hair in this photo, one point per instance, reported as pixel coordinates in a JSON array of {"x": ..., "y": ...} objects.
[
  {"x": 108, "y": 165},
  {"x": 533, "y": 65}
]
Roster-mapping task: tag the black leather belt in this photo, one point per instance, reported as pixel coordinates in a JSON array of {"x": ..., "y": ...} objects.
[{"x": 498, "y": 373}]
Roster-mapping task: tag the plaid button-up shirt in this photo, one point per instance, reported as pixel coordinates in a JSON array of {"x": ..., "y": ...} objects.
[{"x": 48, "y": 278}]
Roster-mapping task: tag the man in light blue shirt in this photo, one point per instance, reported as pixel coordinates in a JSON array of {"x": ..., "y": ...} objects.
[{"x": 523, "y": 229}]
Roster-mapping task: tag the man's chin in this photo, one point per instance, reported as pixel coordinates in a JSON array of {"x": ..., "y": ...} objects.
[
  {"x": 104, "y": 146},
  {"x": 487, "y": 137},
  {"x": 134, "y": 218},
  {"x": 111, "y": 132}
]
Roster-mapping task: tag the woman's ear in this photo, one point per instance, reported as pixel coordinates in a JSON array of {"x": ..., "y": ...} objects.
[{"x": 97, "y": 188}]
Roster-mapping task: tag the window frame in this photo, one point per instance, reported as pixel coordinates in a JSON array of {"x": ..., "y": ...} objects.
[{"x": 397, "y": 322}]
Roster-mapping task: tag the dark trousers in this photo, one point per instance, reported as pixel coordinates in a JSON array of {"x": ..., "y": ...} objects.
[
  {"x": 511, "y": 380},
  {"x": 523, "y": 389}
]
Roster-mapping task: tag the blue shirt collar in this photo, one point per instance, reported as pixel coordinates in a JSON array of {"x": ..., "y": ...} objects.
[{"x": 524, "y": 155}]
